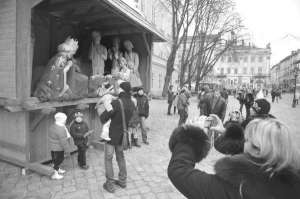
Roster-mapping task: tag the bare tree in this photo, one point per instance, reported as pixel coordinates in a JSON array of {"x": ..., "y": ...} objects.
[
  {"x": 213, "y": 21},
  {"x": 183, "y": 14}
]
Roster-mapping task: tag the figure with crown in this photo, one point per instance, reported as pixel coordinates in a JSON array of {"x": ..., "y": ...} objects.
[{"x": 54, "y": 83}]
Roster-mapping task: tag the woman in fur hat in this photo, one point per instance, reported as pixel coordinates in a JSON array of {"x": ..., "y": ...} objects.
[{"x": 269, "y": 168}]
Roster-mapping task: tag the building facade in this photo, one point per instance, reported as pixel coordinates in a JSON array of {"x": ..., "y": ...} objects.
[
  {"x": 157, "y": 13},
  {"x": 243, "y": 66},
  {"x": 283, "y": 73}
]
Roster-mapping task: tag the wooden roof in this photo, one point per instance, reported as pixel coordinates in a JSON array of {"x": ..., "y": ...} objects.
[{"x": 109, "y": 16}]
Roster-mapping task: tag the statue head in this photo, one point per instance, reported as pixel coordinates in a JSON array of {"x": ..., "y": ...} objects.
[
  {"x": 128, "y": 45},
  {"x": 69, "y": 47},
  {"x": 116, "y": 42},
  {"x": 96, "y": 37}
]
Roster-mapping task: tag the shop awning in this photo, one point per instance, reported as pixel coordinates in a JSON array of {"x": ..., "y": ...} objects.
[
  {"x": 110, "y": 16},
  {"x": 132, "y": 16}
]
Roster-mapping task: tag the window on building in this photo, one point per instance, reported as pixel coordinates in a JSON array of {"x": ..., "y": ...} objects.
[
  {"x": 235, "y": 59},
  {"x": 159, "y": 80},
  {"x": 260, "y": 59},
  {"x": 222, "y": 59},
  {"x": 252, "y": 58},
  {"x": 222, "y": 71},
  {"x": 235, "y": 71},
  {"x": 260, "y": 70},
  {"x": 245, "y": 70},
  {"x": 228, "y": 70},
  {"x": 252, "y": 70},
  {"x": 246, "y": 59},
  {"x": 229, "y": 59}
]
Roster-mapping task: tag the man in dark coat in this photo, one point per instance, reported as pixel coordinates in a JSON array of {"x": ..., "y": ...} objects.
[
  {"x": 237, "y": 177},
  {"x": 170, "y": 98},
  {"x": 224, "y": 94},
  {"x": 249, "y": 100},
  {"x": 182, "y": 106},
  {"x": 204, "y": 101},
  {"x": 143, "y": 111},
  {"x": 241, "y": 98},
  {"x": 116, "y": 134},
  {"x": 218, "y": 105}
]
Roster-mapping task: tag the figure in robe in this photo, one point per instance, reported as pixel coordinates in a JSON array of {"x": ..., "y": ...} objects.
[
  {"x": 97, "y": 54},
  {"x": 132, "y": 59},
  {"x": 114, "y": 55},
  {"x": 53, "y": 84}
]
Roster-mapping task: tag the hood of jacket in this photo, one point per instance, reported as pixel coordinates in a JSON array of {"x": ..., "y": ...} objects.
[{"x": 254, "y": 181}]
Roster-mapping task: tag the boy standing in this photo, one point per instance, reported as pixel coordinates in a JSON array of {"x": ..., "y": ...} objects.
[{"x": 80, "y": 131}]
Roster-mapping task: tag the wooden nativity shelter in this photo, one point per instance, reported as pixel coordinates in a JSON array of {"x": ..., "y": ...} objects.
[{"x": 30, "y": 31}]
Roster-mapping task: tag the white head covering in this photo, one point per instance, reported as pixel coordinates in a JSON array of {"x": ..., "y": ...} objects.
[
  {"x": 128, "y": 44},
  {"x": 70, "y": 45},
  {"x": 260, "y": 95},
  {"x": 60, "y": 120}
]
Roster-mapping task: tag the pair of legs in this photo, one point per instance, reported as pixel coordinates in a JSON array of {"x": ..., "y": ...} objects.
[
  {"x": 109, "y": 151},
  {"x": 143, "y": 129},
  {"x": 174, "y": 110},
  {"x": 82, "y": 156},
  {"x": 241, "y": 107},
  {"x": 169, "y": 107},
  {"x": 247, "y": 111},
  {"x": 183, "y": 115},
  {"x": 57, "y": 158}
]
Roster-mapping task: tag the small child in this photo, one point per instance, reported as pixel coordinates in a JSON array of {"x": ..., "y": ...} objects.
[
  {"x": 105, "y": 104},
  {"x": 80, "y": 131},
  {"x": 59, "y": 142}
]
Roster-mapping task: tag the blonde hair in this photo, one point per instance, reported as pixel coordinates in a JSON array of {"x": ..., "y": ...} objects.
[{"x": 275, "y": 144}]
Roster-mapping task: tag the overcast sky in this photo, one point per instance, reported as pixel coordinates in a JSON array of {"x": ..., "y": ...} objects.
[{"x": 274, "y": 21}]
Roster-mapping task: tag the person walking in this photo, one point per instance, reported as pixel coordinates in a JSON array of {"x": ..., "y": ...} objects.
[
  {"x": 182, "y": 106},
  {"x": 224, "y": 94},
  {"x": 204, "y": 101},
  {"x": 170, "y": 98},
  {"x": 249, "y": 102},
  {"x": 116, "y": 135},
  {"x": 241, "y": 98},
  {"x": 143, "y": 111},
  {"x": 218, "y": 105}
]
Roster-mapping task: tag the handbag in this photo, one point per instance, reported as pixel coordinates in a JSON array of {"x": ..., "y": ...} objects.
[{"x": 125, "y": 140}]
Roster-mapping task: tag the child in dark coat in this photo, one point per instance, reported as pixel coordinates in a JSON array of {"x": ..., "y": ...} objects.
[{"x": 80, "y": 131}]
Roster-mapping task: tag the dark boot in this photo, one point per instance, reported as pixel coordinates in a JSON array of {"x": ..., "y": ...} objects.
[
  {"x": 109, "y": 187},
  {"x": 135, "y": 142}
]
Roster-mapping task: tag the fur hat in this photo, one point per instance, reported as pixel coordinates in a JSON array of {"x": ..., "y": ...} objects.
[
  {"x": 192, "y": 136},
  {"x": 261, "y": 106},
  {"x": 126, "y": 87},
  {"x": 60, "y": 117},
  {"x": 68, "y": 46}
]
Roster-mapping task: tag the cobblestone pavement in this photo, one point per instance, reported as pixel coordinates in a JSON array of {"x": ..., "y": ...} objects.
[{"x": 147, "y": 176}]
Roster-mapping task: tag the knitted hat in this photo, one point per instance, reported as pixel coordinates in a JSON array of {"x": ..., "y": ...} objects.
[
  {"x": 60, "y": 117},
  {"x": 261, "y": 106},
  {"x": 126, "y": 87}
]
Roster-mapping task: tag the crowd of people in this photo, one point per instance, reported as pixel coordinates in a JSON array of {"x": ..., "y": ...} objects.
[{"x": 261, "y": 156}]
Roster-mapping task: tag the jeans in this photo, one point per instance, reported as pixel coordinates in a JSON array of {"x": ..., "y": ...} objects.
[
  {"x": 57, "y": 158},
  {"x": 183, "y": 115},
  {"x": 143, "y": 128},
  {"x": 169, "y": 108},
  {"x": 241, "y": 108},
  {"x": 82, "y": 155},
  {"x": 109, "y": 151}
]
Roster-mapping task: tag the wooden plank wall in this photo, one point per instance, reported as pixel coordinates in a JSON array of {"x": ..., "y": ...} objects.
[{"x": 8, "y": 48}]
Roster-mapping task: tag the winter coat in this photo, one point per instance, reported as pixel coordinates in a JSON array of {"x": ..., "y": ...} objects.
[
  {"x": 143, "y": 106},
  {"x": 249, "y": 100},
  {"x": 116, "y": 125},
  {"x": 183, "y": 101},
  {"x": 58, "y": 140},
  {"x": 218, "y": 107},
  {"x": 204, "y": 104},
  {"x": 77, "y": 131},
  {"x": 236, "y": 177},
  {"x": 170, "y": 96}
]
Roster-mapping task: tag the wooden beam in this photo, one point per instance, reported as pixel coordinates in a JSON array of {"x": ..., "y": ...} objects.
[{"x": 146, "y": 43}]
